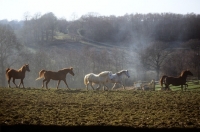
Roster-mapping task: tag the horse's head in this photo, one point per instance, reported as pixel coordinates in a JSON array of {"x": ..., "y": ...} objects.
[
  {"x": 127, "y": 73},
  {"x": 71, "y": 71},
  {"x": 188, "y": 72},
  {"x": 26, "y": 66},
  {"x": 185, "y": 73}
]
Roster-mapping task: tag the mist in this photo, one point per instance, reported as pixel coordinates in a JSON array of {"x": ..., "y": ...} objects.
[{"x": 92, "y": 44}]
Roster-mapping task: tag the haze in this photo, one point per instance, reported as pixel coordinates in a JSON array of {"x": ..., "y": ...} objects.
[{"x": 15, "y": 9}]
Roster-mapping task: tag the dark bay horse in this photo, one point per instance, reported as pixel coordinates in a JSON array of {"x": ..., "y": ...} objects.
[
  {"x": 17, "y": 74},
  {"x": 175, "y": 81},
  {"x": 59, "y": 75}
]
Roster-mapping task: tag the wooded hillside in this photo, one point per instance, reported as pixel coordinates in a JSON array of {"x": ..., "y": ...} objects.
[{"x": 149, "y": 45}]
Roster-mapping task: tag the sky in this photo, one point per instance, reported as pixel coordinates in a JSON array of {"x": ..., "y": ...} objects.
[{"x": 67, "y": 9}]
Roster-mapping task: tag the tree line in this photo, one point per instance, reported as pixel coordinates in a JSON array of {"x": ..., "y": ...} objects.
[{"x": 164, "y": 43}]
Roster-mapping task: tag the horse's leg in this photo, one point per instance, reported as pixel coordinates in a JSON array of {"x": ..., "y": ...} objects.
[
  {"x": 66, "y": 84},
  {"x": 58, "y": 84},
  {"x": 98, "y": 86},
  {"x": 114, "y": 86},
  {"x": 14, "y": 82},
  {"x": 87, "y": 86},
  {"x": 21, "y": 82},
  {"x": 91, "y": 85},
  {"x": 9, "y": 82},
  {"x": 186, "y": 85},
  {"x": 122, "y": 85},
  {"x": 43, "y": 82},
  {"x": 47, "y": 83},
  {"x": 166, "y": 86},
  {"x": 104, "y": 85}
]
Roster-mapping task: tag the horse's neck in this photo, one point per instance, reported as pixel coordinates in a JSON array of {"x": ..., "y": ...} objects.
[
  {"x": 23, "y": 70},
  {"x": 184, "y": 76},
  {"x": 66, "y": 71},
  {"x": 120, "y": 74},
  {"x": 116, "y": 76}
]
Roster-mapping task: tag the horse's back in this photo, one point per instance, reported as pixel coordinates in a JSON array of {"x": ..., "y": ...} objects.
[
  {"x": 54, "y": 75},
  {"x": 13, "y": 73},
  {"x": 104, "y": 73},
  {"x": 176, "y": 81},
  {"x": 91, "y": 77}
]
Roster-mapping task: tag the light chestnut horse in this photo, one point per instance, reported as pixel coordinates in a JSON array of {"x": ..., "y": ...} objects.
[
  {"x": 17, "y": 74},
  {"x": 59, "y": 75},
  {"x": 100, "y": 79}
]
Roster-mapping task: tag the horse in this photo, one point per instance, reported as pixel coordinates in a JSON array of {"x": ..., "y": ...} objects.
[
  {"x": 59, "y": 75},
  {"x": 117, "y": 78},
  {"x": 100, "y": 78},
  {"x": 175, "y": 81},
  {"x": 17, "y": 74}
]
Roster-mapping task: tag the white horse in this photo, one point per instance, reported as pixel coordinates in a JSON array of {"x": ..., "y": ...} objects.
[
  {"x": 100, "y": 78},
  {"x": 117, "y": 78}
]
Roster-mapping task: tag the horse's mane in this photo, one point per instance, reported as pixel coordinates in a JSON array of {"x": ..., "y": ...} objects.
[
  {"x": 120, "y": 72},
  {"x": 65, "y": 69},
  {"x": 183, "y": 72},
  {"x": 21, "y": 69}
]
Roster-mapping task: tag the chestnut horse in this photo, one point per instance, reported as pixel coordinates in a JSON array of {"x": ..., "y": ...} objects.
[
  {"x": 59, "y": 75},
  {"x": 17, "y": 74},
  {"x": 175, "y": 81}
]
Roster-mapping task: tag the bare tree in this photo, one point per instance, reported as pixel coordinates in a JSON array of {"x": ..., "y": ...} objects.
[
  {"x": 155, "y": 55},
  {"x": 9, "y": 49}
]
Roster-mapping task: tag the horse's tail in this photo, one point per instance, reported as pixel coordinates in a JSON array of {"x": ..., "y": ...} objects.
[
  {"x": 161, "y": 80},
  {"x": 85, "y": 80},
  {"x": 41, "y": 74},
  {"x": 7, "y": 72}
]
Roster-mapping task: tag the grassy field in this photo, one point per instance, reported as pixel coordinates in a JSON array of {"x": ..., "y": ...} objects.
[{"x": 137, "y": 109}]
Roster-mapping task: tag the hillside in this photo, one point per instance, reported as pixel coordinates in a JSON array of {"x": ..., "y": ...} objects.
[{"x": 65, "y": 41}]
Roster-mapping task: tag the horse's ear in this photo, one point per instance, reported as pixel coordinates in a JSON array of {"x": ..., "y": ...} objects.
[{"x": 71, "y": 68}]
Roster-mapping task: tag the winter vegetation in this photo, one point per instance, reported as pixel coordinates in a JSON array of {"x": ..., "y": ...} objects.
[{"x": 148, "y": 45}]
